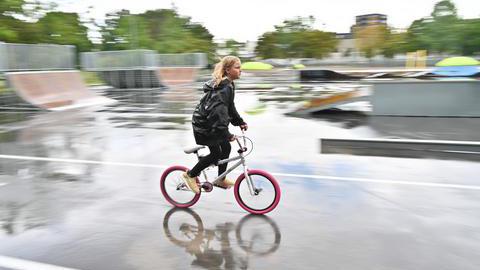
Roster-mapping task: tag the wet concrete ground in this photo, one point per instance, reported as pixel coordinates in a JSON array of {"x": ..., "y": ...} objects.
[{"x": 92, "y": 200}]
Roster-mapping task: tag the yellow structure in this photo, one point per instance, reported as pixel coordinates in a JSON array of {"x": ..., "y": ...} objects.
[{"x": 416, "y": 59}]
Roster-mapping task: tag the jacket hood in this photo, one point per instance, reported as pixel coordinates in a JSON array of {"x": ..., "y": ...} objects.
[{"x": 209, "y": 86}]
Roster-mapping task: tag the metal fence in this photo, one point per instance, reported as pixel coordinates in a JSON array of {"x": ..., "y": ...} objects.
[
  {"x": 118, "y": 60},
  {"x": 139, "y": 59},
  {"x": 24, "y": 57}
]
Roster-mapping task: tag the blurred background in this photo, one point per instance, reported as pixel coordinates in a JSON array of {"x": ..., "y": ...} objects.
[
  {"x": 366, "y": 112},
  {"x": 346, "y": 37}
]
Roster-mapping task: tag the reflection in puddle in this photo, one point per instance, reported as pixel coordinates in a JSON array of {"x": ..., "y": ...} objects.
[
  {"x": 157, "y": 108},
  {"x": 214, "y": 248}
]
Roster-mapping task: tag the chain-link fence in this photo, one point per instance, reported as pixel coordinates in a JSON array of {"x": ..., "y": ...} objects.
[{"x": 24, "y": 57}]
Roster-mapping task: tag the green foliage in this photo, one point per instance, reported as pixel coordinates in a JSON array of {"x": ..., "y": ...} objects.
[
  {"x": 379, "y": 39},
  {"x": 52, "y": 27},
  {"x": 2, "y": 86},
  {"x": 296, "y": 38},
  {"x": 232, "y": 47},
  {"x": 11, "y": 6},
  {"x": 7, "y": 34},
  {"x": 10, "y": 28},
  {"x": 395, "y": 43},
  {"x": 162, "y": 30},
  {"x": 64, "y": 28},
  {"x": 91, "y": 78},
  {"x": 444, "y": 9},
  {"x": 445, "y": 32},
  {"x": 469, "y": 33}
]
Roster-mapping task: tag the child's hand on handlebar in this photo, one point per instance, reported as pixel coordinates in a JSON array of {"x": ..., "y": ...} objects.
[
  {"x": 244, "y": 126},
  {"x": 232, "y": 137}
]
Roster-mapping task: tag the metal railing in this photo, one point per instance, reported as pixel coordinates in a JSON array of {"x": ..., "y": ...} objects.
[
  {"x": 25, "y": 57},
  {"x": 118, "y": 60},
  {"x": 139, "y": 59}
]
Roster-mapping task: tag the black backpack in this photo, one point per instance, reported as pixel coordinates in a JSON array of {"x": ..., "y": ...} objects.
[{"x": 200, "y": 119}]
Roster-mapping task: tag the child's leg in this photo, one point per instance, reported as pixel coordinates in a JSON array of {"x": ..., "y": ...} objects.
[
  {"x": 225, "y": 153},
  {"x": 204, "y": 162}
]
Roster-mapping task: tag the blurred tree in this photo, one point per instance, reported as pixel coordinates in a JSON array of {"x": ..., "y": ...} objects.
[
  {"x": 371, "y": 39},
  {"x": 417, "y": 38},
  {"x": 469, "y": 37},
  {"x": 395, "y": 43},
  {"x": 162, "y": 30},
  {"x": 442, "y": 30},
  {"x": 9, "y": 7},
  {"x": 268, "y": 46},
  {"x": 10, "y": 26},
  {"x": 64, "y": 28},
  {"x": 441, "y": 33},
  {"x": 296, "y": 39},
  {"x": 232, "y": 47},
  {"x": 16, "y": 20},
  {"x": 444, "y": 9},
  {"x": 116, "y": 33}
]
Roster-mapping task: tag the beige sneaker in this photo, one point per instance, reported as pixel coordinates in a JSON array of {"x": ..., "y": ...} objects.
[
  {"x": 225, "y": 183},
  {"x": 191, "y": 182}
]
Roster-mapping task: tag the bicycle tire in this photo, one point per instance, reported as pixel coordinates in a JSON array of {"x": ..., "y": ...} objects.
[
  {"x": 191, "y": 198},
  {"x": 243, "y": 202}
]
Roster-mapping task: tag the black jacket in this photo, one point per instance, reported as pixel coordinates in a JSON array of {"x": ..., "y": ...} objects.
[{"x": 214, "y": 113}]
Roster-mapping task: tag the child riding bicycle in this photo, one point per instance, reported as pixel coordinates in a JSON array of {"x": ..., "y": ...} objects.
[{"x": 210, "y": 120}]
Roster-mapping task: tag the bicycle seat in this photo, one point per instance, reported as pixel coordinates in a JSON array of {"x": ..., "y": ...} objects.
[{"x": 193, "y": 149}]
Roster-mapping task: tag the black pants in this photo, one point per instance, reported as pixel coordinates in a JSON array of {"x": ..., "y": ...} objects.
[{"x": 217, "y": 152}]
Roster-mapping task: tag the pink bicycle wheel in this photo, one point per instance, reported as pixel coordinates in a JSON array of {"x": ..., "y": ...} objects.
[
  {"x": 175, "y": 190},
  {"x": 265, "y": 197}
]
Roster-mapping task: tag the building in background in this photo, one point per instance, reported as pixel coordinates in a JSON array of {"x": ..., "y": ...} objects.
[
  {"x": 346, "y": 46},
  {"x": 369, "y": 20}
]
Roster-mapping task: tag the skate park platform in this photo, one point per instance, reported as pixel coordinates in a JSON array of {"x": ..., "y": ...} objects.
[{"x": 130, "y": 69}]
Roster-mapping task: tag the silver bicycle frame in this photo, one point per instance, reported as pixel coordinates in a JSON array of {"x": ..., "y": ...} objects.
[{"x": 241, "y": 161}]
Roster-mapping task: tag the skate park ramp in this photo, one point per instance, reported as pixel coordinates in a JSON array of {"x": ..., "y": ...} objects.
[
  {"x": 129, "y": 69},
  {"x": 54, "y": 90},
  {"x": 333, "y": 100},
  {"x": 177, "y": 76},
  {"x": 325, "y": 75}
]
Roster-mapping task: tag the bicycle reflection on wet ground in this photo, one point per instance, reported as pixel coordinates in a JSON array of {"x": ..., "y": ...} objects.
[{"x": 214, "y": 248}]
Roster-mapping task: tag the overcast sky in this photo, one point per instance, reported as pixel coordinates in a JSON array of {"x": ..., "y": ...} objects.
[{"x": 247, "y": 19}]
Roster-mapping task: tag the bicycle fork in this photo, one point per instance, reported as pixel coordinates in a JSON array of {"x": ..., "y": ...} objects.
[{"x": 251, "y": 186}]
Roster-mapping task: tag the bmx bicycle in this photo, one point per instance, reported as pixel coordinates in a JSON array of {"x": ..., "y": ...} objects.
[{"x": 256, "y": 191}]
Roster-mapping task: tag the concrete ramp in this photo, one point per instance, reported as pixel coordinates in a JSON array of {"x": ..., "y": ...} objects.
[
  {"x": 333, "y": 100},
  {"x": 177, "y": 76},
  {"x": 54, "y": 90}
]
